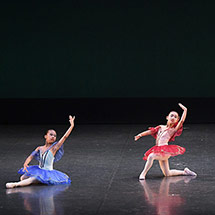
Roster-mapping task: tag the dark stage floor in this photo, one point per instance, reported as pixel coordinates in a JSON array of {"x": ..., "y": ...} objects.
[{"x": 104, "y": 163}]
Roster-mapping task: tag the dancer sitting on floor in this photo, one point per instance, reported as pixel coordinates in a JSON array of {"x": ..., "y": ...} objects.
[
  {"x": 46, "y": 155},
  {"x": 162, "y": 151}
]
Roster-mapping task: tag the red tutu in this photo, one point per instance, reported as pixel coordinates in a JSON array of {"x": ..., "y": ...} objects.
[{"x": 165, "y": 150}]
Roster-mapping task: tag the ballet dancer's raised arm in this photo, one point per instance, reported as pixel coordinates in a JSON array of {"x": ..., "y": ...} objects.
[
  {"x": 183, "y": 117},
  {"x": 62, "y": 140}
]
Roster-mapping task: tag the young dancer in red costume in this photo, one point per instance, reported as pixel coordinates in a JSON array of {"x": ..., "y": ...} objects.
[{"x": 162, "y": 151}]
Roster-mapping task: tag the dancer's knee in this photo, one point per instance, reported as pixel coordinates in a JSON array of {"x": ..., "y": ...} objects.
[
  {"x": 151, "y": 157},
  {"x": 23, "y": 177},
  {"x": 167, "y": 173}
]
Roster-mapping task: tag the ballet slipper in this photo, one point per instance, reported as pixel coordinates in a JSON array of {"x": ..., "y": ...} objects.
[
  {"x": 11, "y": 185},
  {"x": 141, "y": 177},
  {"x": 189, "y": 172}
]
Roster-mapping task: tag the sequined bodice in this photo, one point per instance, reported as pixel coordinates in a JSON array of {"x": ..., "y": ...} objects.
[
  {"x": 163, "y": 136},
  {"x": 46, "y": 160}
]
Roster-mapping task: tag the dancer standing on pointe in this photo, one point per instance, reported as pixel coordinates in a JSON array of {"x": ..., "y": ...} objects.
[
  {"x": 46, "y": 155},
  {"x": 162, "y": 151}
]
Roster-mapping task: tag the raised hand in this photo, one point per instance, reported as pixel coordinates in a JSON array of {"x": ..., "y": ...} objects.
[
  {"x": 182, "y": 106},
  {"x": 71, "y": 120}
]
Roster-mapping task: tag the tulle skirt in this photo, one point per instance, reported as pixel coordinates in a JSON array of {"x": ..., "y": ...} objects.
[
  {"x": 50, "y": 177},
  {"x": 165, "y": 150}
]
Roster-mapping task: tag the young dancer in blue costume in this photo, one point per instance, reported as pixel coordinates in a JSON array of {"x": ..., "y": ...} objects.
[{"x": 44, "y": 173}]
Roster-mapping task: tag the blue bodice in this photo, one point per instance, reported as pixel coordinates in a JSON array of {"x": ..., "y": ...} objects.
[{"x": 59, "y": 154}]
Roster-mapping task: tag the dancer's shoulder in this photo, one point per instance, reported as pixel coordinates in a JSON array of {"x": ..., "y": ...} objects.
[{"x": 38, "y": 148}]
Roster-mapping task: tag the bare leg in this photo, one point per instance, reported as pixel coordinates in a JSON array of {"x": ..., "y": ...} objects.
[
  {"x": 148, "y": 165},
  {"x": 164, "y": 165},
  {"x": 22, "y": 183}
]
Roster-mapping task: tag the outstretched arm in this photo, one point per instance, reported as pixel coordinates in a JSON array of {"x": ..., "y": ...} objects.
[
  {"x": 183, "y": 117},
  {"x": 62, "y": 140},
  {"x": 142, "y": 134}
]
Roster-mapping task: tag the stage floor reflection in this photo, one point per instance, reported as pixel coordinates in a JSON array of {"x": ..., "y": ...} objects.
[{"x": 104, "y": 163}]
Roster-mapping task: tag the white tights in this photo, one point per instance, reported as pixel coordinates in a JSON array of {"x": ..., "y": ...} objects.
[
  {"x": 24, "y": 181},
  {"x": 27, "y": 181},
  {"x": 164, "y": 165}
]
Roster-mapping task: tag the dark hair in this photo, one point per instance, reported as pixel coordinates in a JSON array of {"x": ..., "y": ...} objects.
[{"x": 48, "y": 131}]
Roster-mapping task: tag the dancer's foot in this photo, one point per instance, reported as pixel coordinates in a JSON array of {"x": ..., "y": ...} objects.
[
  {"x": 141, "y": 177},
  {"x": 189, "y": 172},
  {"x": 11, "y": 185}
]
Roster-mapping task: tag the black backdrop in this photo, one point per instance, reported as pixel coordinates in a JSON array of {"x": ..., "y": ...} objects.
[{"x": 106, "y": 62}]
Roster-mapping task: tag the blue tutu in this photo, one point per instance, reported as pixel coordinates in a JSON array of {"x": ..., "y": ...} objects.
[
  {"x": 45, "y": 172},
  {"x": 45, "y": 176}
]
